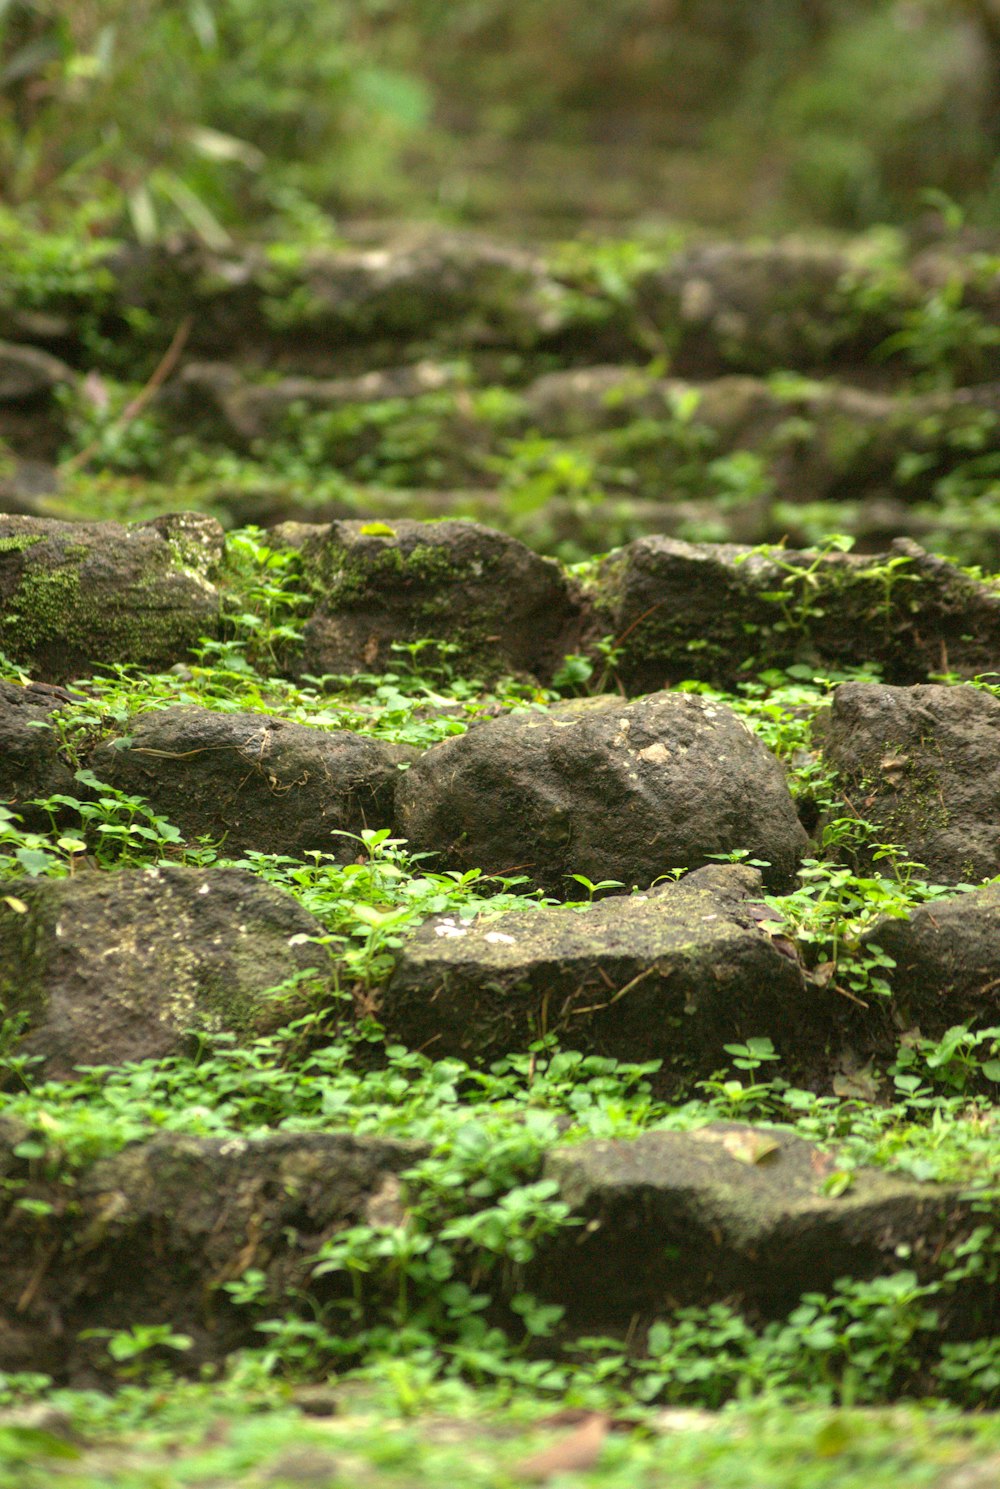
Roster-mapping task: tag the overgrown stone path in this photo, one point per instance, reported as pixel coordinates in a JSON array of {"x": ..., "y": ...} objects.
[{"x": 275, "y": 799}]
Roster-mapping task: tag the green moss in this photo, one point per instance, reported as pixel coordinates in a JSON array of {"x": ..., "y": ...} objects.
[
  {"x": 45, "y": 605},
  {"x": 18, "y": 544}
]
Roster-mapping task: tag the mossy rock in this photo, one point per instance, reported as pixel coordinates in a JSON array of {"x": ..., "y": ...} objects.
[
  {"x": 730, "y": 1212},
  {"x": 946, "y": 956},
  {"x": 603, "y": 787},
  {"x": 31, "y": 761},
  {"x": 207, "y": 1210},
  {"x": 718, "y": 611},
  {"x": 78, "y": 596},
  {"x": 103, "y": 967},
  {"x": 499, "y": 607},
  {"x": 671, "y": 975}
]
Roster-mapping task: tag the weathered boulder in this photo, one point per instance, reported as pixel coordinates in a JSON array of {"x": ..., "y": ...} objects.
[
  {"x": 730, "y": 1211},
  {"x": 31, "y": 764},
  {"x": 104, "y": 967},
  {"x": 210, "y": 1209},
  {"x": 947, "y": 957},
  {"x": 714, "y": 610},
  {"x": 253, "y": 781},
  {"x": 503, "y": 608},
  {"x": 456, "y": 289},
  {"x": 756, "y": 307},
  {"x": 605, "y": 788},
  {"x": 78, "y": 595},
  {"x": 923, "y": 764},
  {"x": 420, "y": 288},
  {"x": 673, "y": 975}
]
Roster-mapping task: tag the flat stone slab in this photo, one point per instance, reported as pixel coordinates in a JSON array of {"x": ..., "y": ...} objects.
[
  {"x": 674, "y": 974},
  {"x": 923, "y": 764},
  {"x": 208, "y": 1210},
  {"x": 611, "y": 789},
  {"x": 255, "y": 782},
  {"x": 103, "y": 967},
  {"x": 730, "y": 1211}
]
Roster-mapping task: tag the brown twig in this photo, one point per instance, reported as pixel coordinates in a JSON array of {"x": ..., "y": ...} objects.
[{"x": 162, "y": 371}]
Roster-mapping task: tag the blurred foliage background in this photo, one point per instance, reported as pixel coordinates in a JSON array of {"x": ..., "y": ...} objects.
[{"x": 142, "y": 116}]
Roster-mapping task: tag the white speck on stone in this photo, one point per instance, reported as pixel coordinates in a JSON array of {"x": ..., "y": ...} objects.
[
  {"x": 656, "y": 754},
  {"x": 498, "y": 938},
  {"x": 299, "y": 939},
  {"x": 205, "y": 888},
  {"x": 449, "y": 929}
]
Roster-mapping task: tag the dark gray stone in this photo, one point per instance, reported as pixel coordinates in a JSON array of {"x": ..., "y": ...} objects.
[
  {"x": 715, "y": 611},
  {"x": 101, "y": 967},
  {"x": 947, "y": 957},
  {"x": 923, "y": 764},
  {"x": 673, "y": 975},
  {"x": 731, "y": 1212},
  {"x": 156, "y": 1230},
  {"x": 602, "y": 787},
  {"x": 31, "y": 764},
  {"x": 503, "y": 608},
  {"x": 252, "y": 781}
]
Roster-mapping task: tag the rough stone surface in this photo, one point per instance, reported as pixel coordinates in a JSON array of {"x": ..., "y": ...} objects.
[
  {"x": 731, "y": 1211},
  {"x": 923, "y": 764},
  {"x": 947, "y": 957},
  {"x": 502, "y": 606},
  {"x": 105, "y": 967},
  {"x": 78, "y": 595},
  {"x": 30, "y": 761},
  {"x": 712, "y": 610},
  {"x": 753, "y": 307},
  {"x": 605, "y": 788},
  {"x": 672, "y": 975},
  {"x": 207, "y": 1210},
  {"x": 453, "y": 289},
  {"x": 254, "y": 781}
]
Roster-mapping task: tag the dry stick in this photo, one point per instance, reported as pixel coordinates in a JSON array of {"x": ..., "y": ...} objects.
[{"x": 164, "y": 368}]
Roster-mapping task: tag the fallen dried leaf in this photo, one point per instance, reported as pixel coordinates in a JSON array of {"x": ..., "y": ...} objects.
[{"x": 578, "y": 1450}]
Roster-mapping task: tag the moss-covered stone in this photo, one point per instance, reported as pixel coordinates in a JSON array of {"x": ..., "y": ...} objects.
[
  {"x": 103, "y": 968},
  {"x": 735, "y": 1212},
  {"x": 671, "y": 975},
  {"x": 253, "y": 782},
  {"x": 499, "y": 606},
  {"x": 76, "y": 596},
  {"x": 154, "y": 1232},
  {"x": 715, "y": 611},
  {"x": 618, "y": 790}
]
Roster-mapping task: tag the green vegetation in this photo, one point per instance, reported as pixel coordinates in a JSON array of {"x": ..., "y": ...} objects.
[
  {"x": 839, "y": 112},
  {"x": 624, "y": 377},
  {"x": 414, "y": 1322}
]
